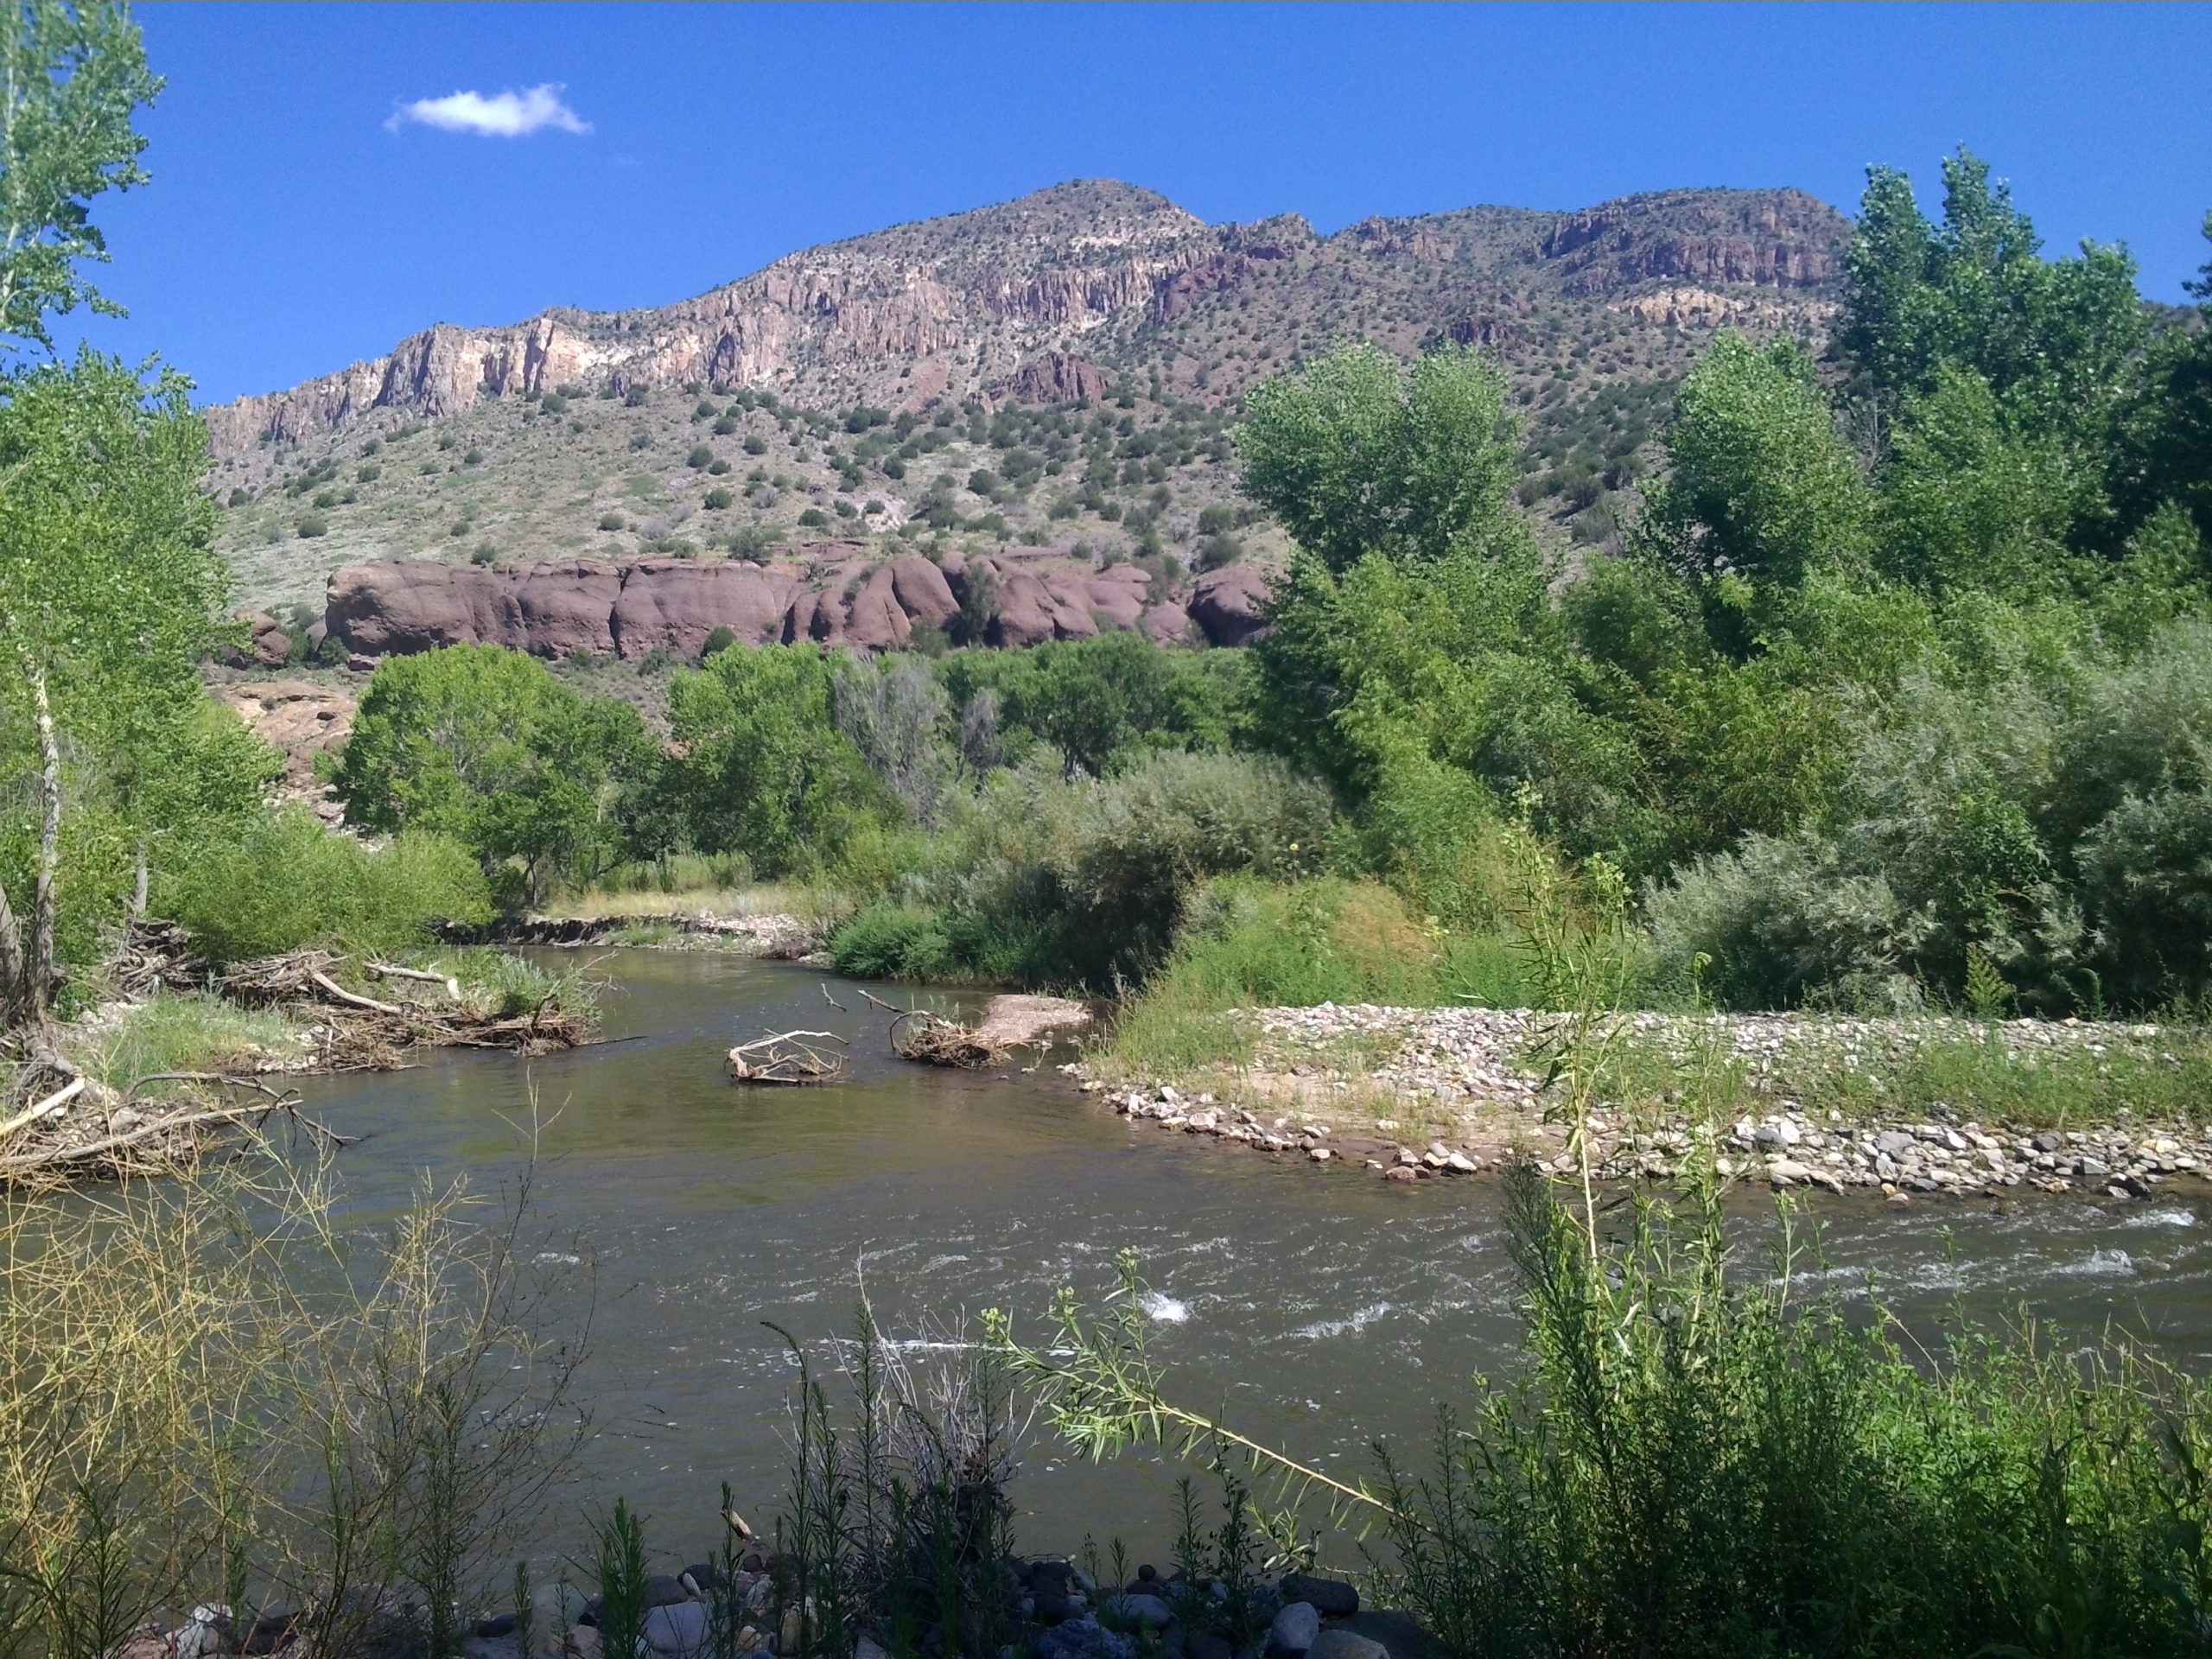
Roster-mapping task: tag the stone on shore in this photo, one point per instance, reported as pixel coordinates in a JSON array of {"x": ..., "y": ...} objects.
[
  {"x": 1344, "y": 1645},
  {"x": 678, "y": 1628},
  {"x": 1295, "y": 1628},
  {"x": 1331, "y": 1597}
]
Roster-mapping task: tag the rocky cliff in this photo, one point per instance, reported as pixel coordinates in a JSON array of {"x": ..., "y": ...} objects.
[{"x": 992, "y": 299}]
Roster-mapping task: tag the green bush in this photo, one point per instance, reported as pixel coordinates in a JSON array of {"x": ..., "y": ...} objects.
[
  {"x": 887, "y": 940},
  {"x": 1048, "y": 881},
  {"x": 718, "y": 498},
  {"x": 1698, "y": 1460},
  {"x": 312, "y": 526},
  {"x": 284, "y": 882}
]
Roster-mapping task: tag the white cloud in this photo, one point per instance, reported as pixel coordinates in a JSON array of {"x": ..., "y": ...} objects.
[{"x": 503, "y": 114}]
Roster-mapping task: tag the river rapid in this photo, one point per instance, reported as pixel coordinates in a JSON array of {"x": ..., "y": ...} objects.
[{"x": 1316, "y": 1308}]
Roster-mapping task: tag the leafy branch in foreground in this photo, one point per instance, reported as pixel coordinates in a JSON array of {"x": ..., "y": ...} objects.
[{"x": 1101, "y": 1388}]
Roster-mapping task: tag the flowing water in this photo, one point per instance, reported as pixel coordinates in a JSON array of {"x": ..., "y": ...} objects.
[{"x": 1318, "y": 1308}]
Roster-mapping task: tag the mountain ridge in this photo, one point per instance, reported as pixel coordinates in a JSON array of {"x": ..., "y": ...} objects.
[
  {"x": 425, "y": 373},
  {"x": 1058, "y": 369}
]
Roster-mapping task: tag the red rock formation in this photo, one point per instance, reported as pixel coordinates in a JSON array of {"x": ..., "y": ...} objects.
[
  {"x": 1229, "y": 605},
  {"x": 833, "y": 595},
  {"x": 674, "y": 604},
  {"x": 267, "y": 644},
  {"x": 299, "y": 720}
]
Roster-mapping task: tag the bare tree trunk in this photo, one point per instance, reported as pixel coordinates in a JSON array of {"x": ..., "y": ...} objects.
[
  {"x": 38, "y": 974},
  {"x": 138, "y": 887},
  {"x": 12, "y": 994}
]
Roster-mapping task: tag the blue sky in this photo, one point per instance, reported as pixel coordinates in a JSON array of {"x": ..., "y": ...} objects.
[{"x": 294, "y": 224}]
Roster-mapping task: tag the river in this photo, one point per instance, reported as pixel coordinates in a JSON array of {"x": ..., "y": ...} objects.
[{"x": 1317, "y": 1307}]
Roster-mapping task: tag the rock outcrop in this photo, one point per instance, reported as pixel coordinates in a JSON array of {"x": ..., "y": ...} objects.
[
  {"x": 299, "y": 720},
  {"x": 1229, "y": 605},
  {"x": 1001, "y": 288},
  {"x": 267, "y": 644},
  {"x": 1057, "y": 377},
  {"x": 832, "y": 593}
]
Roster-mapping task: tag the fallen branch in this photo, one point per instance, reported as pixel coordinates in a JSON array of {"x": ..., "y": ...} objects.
[
  {"x": 81, "y": 1151},
  {"x": 832, "y": 1000},
  {"x": 332, "y": 989},
  {"x": 274, "y": 1096},
  {"x": 389, "y": 971},
  {"x": 787, "y": 1056},
  {"x": 888, "y": 1008},
  {"x": 53, "y": 1102},
  {"x": 285, "y": 1101}
]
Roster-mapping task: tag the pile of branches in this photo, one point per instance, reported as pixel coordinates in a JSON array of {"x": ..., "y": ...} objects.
[
  {"x": 358, "y": 1033},
  {"x": 86, "y": 1129},
  {"x": 931, "y": 1039}
]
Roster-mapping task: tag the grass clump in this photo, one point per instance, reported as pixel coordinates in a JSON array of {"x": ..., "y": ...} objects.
[
  {"x": 210, "y": 1391},
  {"x": 498, "y": 985},
  {"x": 185, "y": 1031},
  {"x": 1694, "y": 1464}
]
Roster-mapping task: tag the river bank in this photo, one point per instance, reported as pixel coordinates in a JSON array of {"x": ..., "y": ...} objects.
[
  {"x": 1904, "y": 1107},
  {"x": 144, "y": 1082},
  {"x": 1054, "y": 1608}
]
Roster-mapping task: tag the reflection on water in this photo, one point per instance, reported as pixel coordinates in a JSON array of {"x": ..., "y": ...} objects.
[{"x": 1317, "y": 1307}]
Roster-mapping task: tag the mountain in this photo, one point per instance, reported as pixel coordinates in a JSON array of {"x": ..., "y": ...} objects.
[{"x": 1058, "y": 371}]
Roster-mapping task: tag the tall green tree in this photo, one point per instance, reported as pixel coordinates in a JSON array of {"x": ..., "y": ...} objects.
[
  {"x": 760, "y": 766},
  {"x": 484, "y": 745},
  {"x": 107, "y": 581},
  {"x": 2168, "y": 456},
  {"x": 2056, "y": 340},
  {"x": 1357, "y": 456},
  {"x": 1762, "y": 491},
  {"x": 71, "y": 80}
]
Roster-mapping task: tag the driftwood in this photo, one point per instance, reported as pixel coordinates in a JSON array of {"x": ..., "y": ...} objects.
[
  {"x": 389, "y": 971},
  {"x": 57, "y": 1102},
  {"x": 163, "y": 1143},
  {"x": 791, "y": 1057},
  {"x": 337, "y": 993}
]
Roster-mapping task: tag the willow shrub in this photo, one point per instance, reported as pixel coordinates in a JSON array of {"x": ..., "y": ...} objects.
[{"x": 282, "y": 881}]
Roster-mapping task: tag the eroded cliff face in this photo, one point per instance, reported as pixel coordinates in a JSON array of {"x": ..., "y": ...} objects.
[
  {"x": 1000, "y": 301},
  {"x": 993, "y": 289},
  {"x": 831, "y": 593}
]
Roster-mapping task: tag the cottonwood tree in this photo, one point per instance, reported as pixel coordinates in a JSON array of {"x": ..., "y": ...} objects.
[
  {"x": 108, "y": 584},
  {"x": 483, "y": 744}
]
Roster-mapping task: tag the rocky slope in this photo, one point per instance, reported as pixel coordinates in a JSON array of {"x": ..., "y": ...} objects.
[{"x": 1067, "y": 360}]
